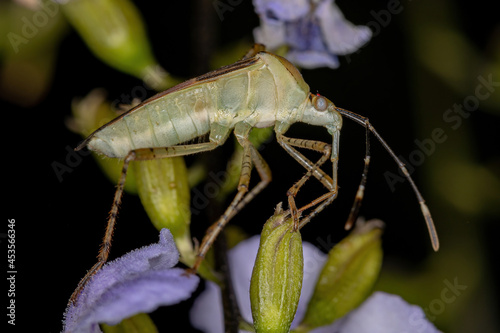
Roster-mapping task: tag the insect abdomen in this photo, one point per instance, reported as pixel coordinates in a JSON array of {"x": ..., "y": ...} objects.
[
  {"x": 166, "y": 121},
  {"x": 179, "y": 117}
]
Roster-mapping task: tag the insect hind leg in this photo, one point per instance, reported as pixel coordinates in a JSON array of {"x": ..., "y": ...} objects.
[
  {"x": 108, "y": 235},
  {"x": 250, "y": 157},
  {"x": 134, "y": 155}
]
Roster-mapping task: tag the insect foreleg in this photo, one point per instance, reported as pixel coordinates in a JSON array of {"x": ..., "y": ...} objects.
[
  {"x": 318, "y": 173},
  {"x": 312, "y": 169},
  {"x": 327, "y": 197}
]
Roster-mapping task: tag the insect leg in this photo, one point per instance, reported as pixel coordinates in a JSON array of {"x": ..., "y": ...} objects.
[
  {"x": 423, "y": 207},
  {"x": 328, "y": 197},
  {"x": 108, "y": 235},
  {"x": 135, "y": 155},
  {"x": 312, "y": 169},
  {"x": 142, "y": 155},
  {"x": 265, "y": 175},
  {"x": 318, "y": 173},
  {"x": 250, "y": 157}
]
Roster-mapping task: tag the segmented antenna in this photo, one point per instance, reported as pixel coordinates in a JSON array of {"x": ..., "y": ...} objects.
[
  {"x": 423, "y": 207},
  {"x": 361, "y": 188}
]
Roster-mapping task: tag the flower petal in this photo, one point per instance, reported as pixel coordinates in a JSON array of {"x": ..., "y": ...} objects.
[
  {"x": 341, "y": 36},
  {"x": 206, "y": 312},
  {"x": 271, "y": 34},
  {"x": 241, "y": 260},
  {"x": 142, "y": 294},
  {"x": 140, "y": 281},
  {"x": 305, "y": 35},
  {"x": 312, "y": 59},
  {"x": 386, "y": 313},
  {"x": 315, "y": 31},
  {"x": 162, "y": 255},
  {"x": 281, "y": 10}
]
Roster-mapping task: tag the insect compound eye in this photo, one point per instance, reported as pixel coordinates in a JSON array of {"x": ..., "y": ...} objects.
[{"x": 320, "y": 103}]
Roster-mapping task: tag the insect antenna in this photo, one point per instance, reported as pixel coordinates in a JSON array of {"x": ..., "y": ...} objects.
[
  {"x": 363, "y": 121},
  {"x": 353, "y": 214}
]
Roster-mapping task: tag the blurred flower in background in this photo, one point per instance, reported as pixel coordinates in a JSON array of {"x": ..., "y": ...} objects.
[{"x": 314, "y": 31}]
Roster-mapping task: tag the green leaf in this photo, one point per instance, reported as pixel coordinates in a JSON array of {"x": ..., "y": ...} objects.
[{"x": 348, "y": 276}]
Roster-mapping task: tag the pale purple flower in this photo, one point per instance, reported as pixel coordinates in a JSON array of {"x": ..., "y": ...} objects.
[
  {"x": 381, "y": 312},
  {"x": 314, "y": 30},
  {"x": 139, "y": 281},
  {"x": 386, "y": 313}
]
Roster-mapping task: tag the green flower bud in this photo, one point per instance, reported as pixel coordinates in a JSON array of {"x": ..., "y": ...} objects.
[
  {"x": 164, "y": 192},
  {"x": 114, "y": 31},
  {"x": 277, "y": 275},
  {"x": 348, "y": 276},
  {"x": 29, "y": 45}
]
